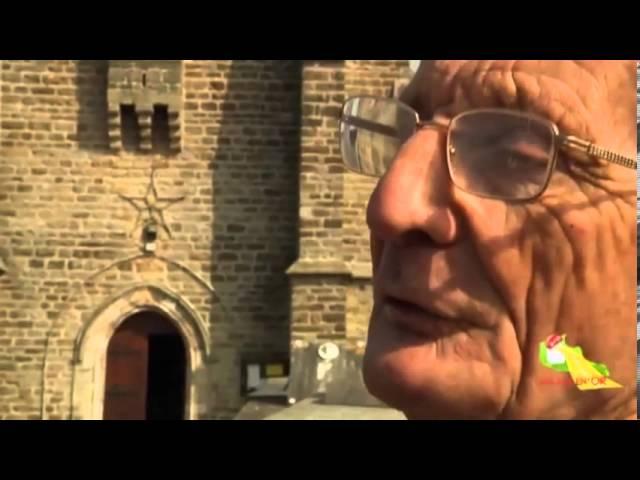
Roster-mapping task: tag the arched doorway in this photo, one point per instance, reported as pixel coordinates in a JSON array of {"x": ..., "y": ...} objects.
[{"x": 145, "y": 370}]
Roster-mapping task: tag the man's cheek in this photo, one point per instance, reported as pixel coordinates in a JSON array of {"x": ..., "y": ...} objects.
[
  {"x": 498, "y": 232},
  {"x": 580, "y": 225},
  {"x": 511, "y": 267}
]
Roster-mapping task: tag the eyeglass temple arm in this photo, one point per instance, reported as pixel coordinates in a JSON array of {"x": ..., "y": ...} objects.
[
  {"x": 570, "y": 142},
  {"x": 593, "y": 150},
  {"x": 370, "y": 125},
  {"x": 388, "y": 130}
]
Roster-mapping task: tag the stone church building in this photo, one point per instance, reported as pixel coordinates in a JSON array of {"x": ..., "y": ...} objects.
[{"x": 171, "y": 231}]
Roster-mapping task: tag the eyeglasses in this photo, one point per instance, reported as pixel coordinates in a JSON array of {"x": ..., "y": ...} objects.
[{"x": 492, "y": 153}]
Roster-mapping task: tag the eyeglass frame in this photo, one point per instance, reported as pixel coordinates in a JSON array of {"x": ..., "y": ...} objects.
[{"x": 569, "y": 143}]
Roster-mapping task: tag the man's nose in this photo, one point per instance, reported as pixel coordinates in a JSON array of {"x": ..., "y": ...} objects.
[{"x": 415, "y": 195}]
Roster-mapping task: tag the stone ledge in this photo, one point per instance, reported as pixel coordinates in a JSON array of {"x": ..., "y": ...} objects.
[
  {"x": 327, "y": 266},
  {"x": 361, "y": 271},
  {"x": 320, "y": 266}
]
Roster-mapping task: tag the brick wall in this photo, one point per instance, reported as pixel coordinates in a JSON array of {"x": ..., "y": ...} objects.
[
  {"x": 261, "y": 171},
  {"x": 53, "y": 105},
  {"x": 331, "y": 291},
  {"x": 321, "y": 165},
  {"x": 363, "y": 77},
  {"x": 242, "y": 117},
  {"x": 318, "y": 286},
  {"x": 61, "y": 219}
]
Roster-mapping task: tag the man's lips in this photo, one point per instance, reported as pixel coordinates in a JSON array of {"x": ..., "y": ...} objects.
[{"x": 418, "y": 320}]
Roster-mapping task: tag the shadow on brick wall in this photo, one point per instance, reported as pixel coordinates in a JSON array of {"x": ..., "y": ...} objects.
[
  {"x": 91, "y": 92},
  {"x": 255, "y": 194}
]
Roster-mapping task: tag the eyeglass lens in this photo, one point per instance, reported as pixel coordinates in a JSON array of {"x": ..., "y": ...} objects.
[{"x": 494, "y": 153}]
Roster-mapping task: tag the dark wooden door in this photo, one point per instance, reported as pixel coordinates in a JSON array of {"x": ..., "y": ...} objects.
[
  {"x": 146, "y": 368},
  {"x": 166, "y": 384},
  {"x": 125, "y": 395}
]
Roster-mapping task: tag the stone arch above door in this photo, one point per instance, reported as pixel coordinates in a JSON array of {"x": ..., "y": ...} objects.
[{"x": 90, "y": 346}]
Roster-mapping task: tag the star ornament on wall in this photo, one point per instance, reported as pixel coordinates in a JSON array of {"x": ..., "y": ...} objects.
[{"x": 151, "y": 206}]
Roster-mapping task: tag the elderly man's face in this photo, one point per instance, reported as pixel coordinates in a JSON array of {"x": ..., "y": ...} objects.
[{"x": 466, "y": 287}]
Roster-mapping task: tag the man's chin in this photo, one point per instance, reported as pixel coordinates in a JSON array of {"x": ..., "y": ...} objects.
[{"x": 418, "y": 381}]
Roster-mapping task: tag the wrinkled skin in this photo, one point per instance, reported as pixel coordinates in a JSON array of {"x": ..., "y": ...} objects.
[{"x": 504, "y": 275}]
